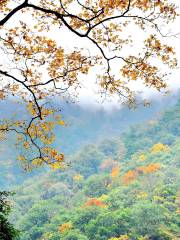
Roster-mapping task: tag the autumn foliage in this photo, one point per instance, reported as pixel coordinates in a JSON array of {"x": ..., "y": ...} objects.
[
  {"x": 149, "y": 168},
  {"x": 36, "y": 65},
  {"x": 65, "y": 227},
  {"x": 159, "y": 147},
  {"x": 78, "y": 177},
  {"x": 131, "y": 175},
  {"x": 115, "y": 171},
  {"x": 95, "y": 202},
  {"x": 122, "y": 237}
]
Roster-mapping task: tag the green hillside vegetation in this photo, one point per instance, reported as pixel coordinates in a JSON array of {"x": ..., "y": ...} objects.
[
  {"x": 7, "y": 230},
  {"x": 83, "y": 126},
  {"x": 123, "y": 188}
]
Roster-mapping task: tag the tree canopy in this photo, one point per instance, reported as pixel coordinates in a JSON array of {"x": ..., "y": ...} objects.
[
  {"x": 36, "y": 65},
  {"x": 7, "y": 231},
  {"x": 136, "y": 197}
]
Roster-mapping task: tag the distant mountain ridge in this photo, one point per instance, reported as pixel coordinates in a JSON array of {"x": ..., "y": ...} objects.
[{"x": 84, "y": 126}]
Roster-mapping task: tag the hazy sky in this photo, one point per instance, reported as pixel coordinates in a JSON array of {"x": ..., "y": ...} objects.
[{"x": 88, "y": 93}]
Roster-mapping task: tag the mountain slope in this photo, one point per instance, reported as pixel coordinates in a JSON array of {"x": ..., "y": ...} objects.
[
  {"x": 121, "y": 188},
  {"x": 83, "y": 126}
]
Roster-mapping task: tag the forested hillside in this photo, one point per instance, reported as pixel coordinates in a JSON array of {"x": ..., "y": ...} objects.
[
  {"x": 89, "y": 120},
  {"x": 120, "y": 188},
  {"x": 82, "y": 126}
]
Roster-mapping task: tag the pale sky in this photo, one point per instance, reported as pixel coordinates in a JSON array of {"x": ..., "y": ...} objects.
[{"x": 88, "y": 93}]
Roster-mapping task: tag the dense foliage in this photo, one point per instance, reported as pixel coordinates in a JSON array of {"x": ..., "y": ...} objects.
[
  {"x": 116, "y": 188},
  {"x": 83, "y": 126},
  {"x": 122, "y": 188},
  {"x": 7, "y": 231},
  {"x": 103, "y": 50}
]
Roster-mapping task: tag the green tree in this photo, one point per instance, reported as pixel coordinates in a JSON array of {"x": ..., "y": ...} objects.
[
  {"x": 7, "y": 230},
  {"x": 74, "y": 234}
]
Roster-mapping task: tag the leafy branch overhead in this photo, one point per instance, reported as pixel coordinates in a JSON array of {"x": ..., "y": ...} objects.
[{"x": 35, "y": 66}]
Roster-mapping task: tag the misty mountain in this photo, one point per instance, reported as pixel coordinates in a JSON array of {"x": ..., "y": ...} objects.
[{"x": 83, "y": 126}]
